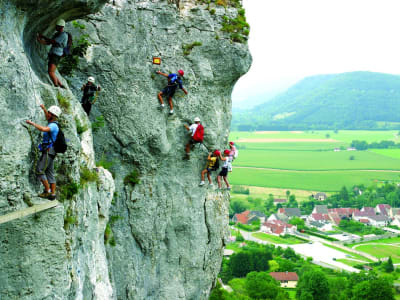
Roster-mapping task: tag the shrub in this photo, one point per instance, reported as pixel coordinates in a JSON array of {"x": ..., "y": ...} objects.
[
  {"x": 132, "y": 178},
  {"x": 99, "y": 123},
  {"x": 106, "y": 164},
  {"x": 88, "y": 175},
  {"x": 63, "y": 102},
  {"x": 79, "y": 127},
  {"x": 69, "y": 219},
  {"x": 67, "y": 191},
  {"x": 239, "y": 189},
  {"x": 187, "y": 48}
]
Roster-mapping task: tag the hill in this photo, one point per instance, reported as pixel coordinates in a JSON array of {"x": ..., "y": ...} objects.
[{"x": 355, "y": 100}]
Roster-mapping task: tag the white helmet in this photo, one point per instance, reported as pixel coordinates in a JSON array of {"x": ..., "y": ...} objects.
[
  {"x": 91, "y": 79},
  {"x": 55, "y": 110},
  {"x": 60, "y": 22},
  {"x": 197, "y": 119}
]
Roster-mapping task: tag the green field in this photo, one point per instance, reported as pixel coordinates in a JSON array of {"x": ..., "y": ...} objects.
[
  {"x": 353, "y": 255},
  {"x": 382, "y": 251},
  {"x": 350, "y": 262},
  {"x": 394, "y": 153},
  {"x": 393, "y": 240},
  {"x": 329, "y": 181},
  {"x": 276, "y": 239},
  {"x": 276, "y": 159}
]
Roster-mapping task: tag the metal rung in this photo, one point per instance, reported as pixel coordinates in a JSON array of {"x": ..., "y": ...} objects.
[{"x": 28, "y": 211}]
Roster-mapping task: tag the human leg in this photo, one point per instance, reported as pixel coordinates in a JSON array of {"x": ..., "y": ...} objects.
[
  {"x": 52, "y": 73},
  {"x": 209, "y": 177},
  {"x": 219, "y": 181},
  {"x": 160, "y": 98},
  {"x": 226, "y": 182},
  {"x": 50, "y": 174},
  {"x": 171, "y": 105},
  {"x": 40, "y": 171}
]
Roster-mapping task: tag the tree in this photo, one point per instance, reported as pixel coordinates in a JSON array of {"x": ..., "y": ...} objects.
[
  {"x": 373, "y": 288},
  {"x": 292, "y": 201},
  {"x": 388, "y": 266},
  {"x": 287, "y": 195},
  {"x": 327, "y": 135},
  {"x": 260, "y": 285},
  {"x": 298, "y": 222},
  {"x": 238, "y": 206},
  {"x": 314, "y": 283}
]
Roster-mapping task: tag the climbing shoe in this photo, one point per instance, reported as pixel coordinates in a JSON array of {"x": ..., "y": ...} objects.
[
  {"x": 201, "y": 183},
  {"x": 228, "y": 188},
  {"x": 162, "y": 106},
  {"x": 211, "y": 185},
  {"x": 51, "y": 197},
  {"x": 171, "y": 111},
  {"x": 44, "y": 195},
  {"x": 186, "y": 157}
]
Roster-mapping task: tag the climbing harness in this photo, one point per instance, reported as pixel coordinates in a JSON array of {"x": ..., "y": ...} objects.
[{"x": 95, "y": 97}]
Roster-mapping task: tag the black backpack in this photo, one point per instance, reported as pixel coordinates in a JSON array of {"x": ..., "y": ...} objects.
[
  {"x": 60, "y": 144},
  {"x": 215, "y": 167}
]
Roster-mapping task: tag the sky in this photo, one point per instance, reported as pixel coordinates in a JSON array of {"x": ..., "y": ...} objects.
[{"x": 293, "y": 39}]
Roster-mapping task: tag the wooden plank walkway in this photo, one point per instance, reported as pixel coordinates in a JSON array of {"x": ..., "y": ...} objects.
[{"x": 28, "y": 211}]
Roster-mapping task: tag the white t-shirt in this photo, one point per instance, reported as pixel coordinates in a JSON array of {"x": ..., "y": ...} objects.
[{"x": 193, "y": 128}]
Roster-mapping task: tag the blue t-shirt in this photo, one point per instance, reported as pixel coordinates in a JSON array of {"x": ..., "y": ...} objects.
[
  {"x": 61, "y": 39},
  {"x": 174, "y": 79},
  {"x": 46, "y": 135}
]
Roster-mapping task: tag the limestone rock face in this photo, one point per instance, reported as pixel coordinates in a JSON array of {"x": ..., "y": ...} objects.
[{"x": 168, "y": 232}]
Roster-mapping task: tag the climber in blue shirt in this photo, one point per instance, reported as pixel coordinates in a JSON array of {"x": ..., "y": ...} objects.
[
  {"x": 58, "y": 42},
  {"x": 174, "y": 80}
]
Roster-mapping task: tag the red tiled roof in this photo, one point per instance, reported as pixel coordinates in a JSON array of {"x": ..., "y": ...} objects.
[
  {"x": 365, "y": 221},
  {"x": 279, "y": 200},
  {"x": 367, "y": 208},
  {"x": 282, "y": 276},
  {"x": 343, "y": 211},
  {"x": 243, "y": 217},
  {"x": 366, "y": 213},
  {"x": 320, "y": 217}
]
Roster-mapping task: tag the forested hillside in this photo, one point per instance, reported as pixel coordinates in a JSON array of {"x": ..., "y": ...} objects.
[{"x": 356, "y": 100}]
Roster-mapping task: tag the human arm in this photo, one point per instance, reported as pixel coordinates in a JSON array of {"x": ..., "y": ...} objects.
[
  {"x": 187, "y": 127},
  {"x": 38, "y": 127},
  {"x": 209, "y": 156},
  {"x": 185, "y": 91},
  {"x": 83, "y": 87},
  {"x": 42, "y": 39},
  {"x": 44, "y": 110},
  {"x": 98, "y": 88},
  {"x": 161, "y": 73}
]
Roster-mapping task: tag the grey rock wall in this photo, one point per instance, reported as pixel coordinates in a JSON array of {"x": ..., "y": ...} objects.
[{"x": 169, "y": 233}]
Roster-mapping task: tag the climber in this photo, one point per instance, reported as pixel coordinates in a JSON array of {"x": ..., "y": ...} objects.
[
  {"x": 224, "y": 171},
  {"x": 212, "y": 165},
  {"x": 174, "y": 80},
  {"x": 232, "y": 155},
  {"x": 197, "y": 135},
  {"x": 45, "y": 167},
  {"x": 58, "y": 42},
  {"x": 89, "y": 89}
]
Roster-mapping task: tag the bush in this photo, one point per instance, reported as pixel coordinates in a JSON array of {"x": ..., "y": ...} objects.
[
  {"x": 63, "y": 102},
  {"x": 99, "y": 123},
  {"x": 132, "y": 178},
  {"x": 79, "y": 127},
  {"x": 239, "y": 189},
  {"x": 88, "y": 175},
  {"x": 67, "y": 191},
  {"x": 187, "y": 48}
]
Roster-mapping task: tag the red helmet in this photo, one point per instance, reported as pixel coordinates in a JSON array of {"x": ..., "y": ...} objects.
[
  {"x": 180, "y": 72},
  {"x": 217, "y": 153},
  {"x": 227, "y": 151},
  {"x": 231, "y": 143}
]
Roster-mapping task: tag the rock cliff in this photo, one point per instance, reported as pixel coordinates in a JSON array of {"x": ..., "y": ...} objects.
[{"x": 161, "y": 238}]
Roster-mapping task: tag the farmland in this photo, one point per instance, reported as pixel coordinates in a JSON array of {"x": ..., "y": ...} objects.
[{"x": 306, "y": 160}]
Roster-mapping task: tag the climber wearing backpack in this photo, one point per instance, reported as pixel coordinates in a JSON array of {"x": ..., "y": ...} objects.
[
  {"x": 212, "y": 165},
  {"x": 58, "y": 42},
  {"x": 174, "y": 80},
  {"x": 89, "y": 94},
  {"x": 224, "y": 171},
  {"x": 232, "y": 155},
  {"x": 45, "y": 166},
  {"x": 197, "y": 135}
]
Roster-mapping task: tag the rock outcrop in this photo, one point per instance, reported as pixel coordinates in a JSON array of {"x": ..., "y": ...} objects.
[{"x": 161, "y": 238}]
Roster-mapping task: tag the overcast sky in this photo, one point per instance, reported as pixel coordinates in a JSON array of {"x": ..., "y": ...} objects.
[{"x": 292, "y": 39}]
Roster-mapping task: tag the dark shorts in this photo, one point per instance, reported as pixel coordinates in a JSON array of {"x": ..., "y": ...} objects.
[
  {"x": 224, "y": 172},
  {"x": 169, "y": 91},
  {"x": 54, "y": 59}
]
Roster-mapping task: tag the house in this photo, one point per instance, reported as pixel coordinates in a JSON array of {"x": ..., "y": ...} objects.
[
  {"x": 382, "y": 209},
  {"x": 335, "y": 218},
  {"x": 228, "y": 252},
  {"x": 319, "y": 221},
  {"x": 288, "y": 213},
  {"x": 336, "y": 149},
  {"x": 320, "y": 209},
  {"x": 248, "y": 217},
  {"x": 367, "y": 268},
  {"x": 364, "y": 213},
  {"x": 278, "y": 227},
  {"x": 287, "y": 279},
  {"x": 393, "y": 212},
  {"x": 379, "y": 220},
  {"x": 320, "y": 196},
  {"x": 277, "y": 201},
  {"x": 351, "y": 149},
  {"x": 396, "y": 221},
  {"x": 343, "y": 213}
]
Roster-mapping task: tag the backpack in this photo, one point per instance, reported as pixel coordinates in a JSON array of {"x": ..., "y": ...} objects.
[
  {"x": 67, "y": 50},
  {"x": 199, "y": 134},
  {"x": 60, "y": 144},
  {"x": 215, "y": 167}
]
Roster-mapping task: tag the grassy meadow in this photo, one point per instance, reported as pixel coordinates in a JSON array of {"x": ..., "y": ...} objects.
[{"x": 306, "y": 160}]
